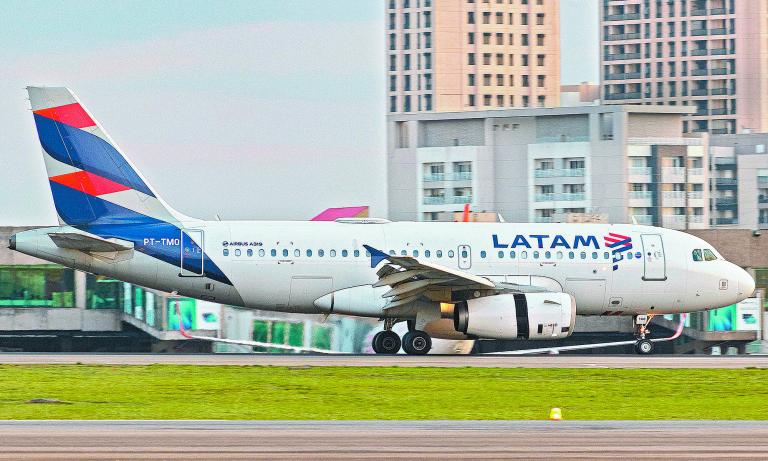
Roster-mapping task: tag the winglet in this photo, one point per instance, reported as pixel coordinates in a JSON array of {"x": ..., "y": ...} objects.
[{"x": 377, "y": 256}]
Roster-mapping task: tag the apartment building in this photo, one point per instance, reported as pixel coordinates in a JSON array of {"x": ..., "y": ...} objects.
[
  {"x": 739, "y": 181},
  {"x": 468, "y": 55},
  {"x": 709, "y": 54},
  {"x": 627, "y": 163}
]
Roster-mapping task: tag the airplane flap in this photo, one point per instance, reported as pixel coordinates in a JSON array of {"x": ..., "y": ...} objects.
[{"x": 87, "y": 243}]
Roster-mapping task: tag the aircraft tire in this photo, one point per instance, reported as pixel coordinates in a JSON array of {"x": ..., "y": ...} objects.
[
  {"x": 417, "y": 342},
  {"x": 644, "y": 347},
  {"x": 388, "y": 342}
]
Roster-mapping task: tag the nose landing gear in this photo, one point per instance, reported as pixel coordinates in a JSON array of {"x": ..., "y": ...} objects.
[{"x": 643, "y": 346}]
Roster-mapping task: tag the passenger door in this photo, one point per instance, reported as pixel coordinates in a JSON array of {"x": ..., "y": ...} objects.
[{"x": 653, "y": 256}]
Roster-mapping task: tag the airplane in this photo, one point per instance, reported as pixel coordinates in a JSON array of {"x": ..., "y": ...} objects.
[{"x": 445, "y": 280}]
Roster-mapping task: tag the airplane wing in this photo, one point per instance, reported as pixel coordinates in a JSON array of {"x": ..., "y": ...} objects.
[
  {"x": 409, "y": 279},
  {"x": 87, "y": 243}
]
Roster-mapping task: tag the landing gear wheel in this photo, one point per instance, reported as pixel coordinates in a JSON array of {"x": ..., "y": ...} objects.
[
  {"x": 386, "y": 342},
  {"x": 416, "y": 342},
  {"x": 644, "y": 347}
]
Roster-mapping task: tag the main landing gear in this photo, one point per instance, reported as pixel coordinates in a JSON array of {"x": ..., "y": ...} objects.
[
  {"x": 415, "y": 342},
  {"x": 643, "y": 346}
]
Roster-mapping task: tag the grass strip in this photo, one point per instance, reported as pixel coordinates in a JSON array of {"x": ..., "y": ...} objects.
[{"x": 256, "y": 392}]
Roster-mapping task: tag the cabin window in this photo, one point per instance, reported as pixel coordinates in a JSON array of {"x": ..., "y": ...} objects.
[
  {"x": 483, "y": 254},
  {"x": 548, "y": 255},
  {"x": 261, "y": 252},
  {"x": 367, "y": 254},
  {"x": 357, "y": 253},
  {"x": 697, "y": 255},
  {"x": 273, "y": 252},
  {"x": 464, "y": 254},
  {"x": 583, "y": 255},
  {"x": 535, "y": 255},
  {"x": 501, "y": 255},
  {"x": 709, "y": 255},
  {"x": 594, "y": 254},
  {"x": 512, "y": 254},
  {"x": 285, "y": 253},
  {"x": 344, "y": 253},
  {"x": 332, "y": 253},
  {"x": 559, "y": 255},
  {"x": 629, "y": 255},
  {"x": 450, "y": 253},
  {"x": 523, "y": 255},
  {"x": 238, "y": 252},
  {"x": 606, "y": 255},
  {"x": 439, "y": 253},
  {"x": 427, "y": 253},
  {"x": 320, "y": 253},
  {"x": 296, "y": 253},
  {"x": 403, "y": 253},
  {"x": 226, "y": 252},
  {"x": 415, "y": 253},
  {"x": 250, "y": 252},
  {"x": 309, "y": 253},
  {"x": 392, "y": 252}
]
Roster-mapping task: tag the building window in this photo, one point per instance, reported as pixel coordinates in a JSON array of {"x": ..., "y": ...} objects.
[
  {"x": 539, "y": 60},
  {"x": 539, "y": 39},
  {"x": 524, "y": 19},
  {"x": 540, "y": 80},
  {"x": 393, "y": 103},
  {"x": 487, "y": 100},
  {"x": 471, "y": 100},
  {"x": 540, "y": 19},
  {"x": 525, "y": 81},
  {"x": 471, "y": 79},
  {"x": 428, "y": 102},
  {"x": 471, "y": 38},
  {"x": 471, "y": 59},
  {"x": 407, "y": 103},
  {"x": 470, "y": 17}
]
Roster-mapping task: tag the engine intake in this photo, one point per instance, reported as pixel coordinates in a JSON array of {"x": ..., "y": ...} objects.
[{"x": 517, "y": 316}]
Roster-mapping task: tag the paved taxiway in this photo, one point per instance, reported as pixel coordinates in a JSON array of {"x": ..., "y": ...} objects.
[
  {"x": 487, "y": 361},
  {"x": 38, "y": 440}
]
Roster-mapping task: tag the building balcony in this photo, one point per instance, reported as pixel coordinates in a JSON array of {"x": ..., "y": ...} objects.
[
  {"x": 719, "y": 31},
  {"x": 543, "y": 219},
  {"x": 725, "y": 181},
  {"x": 696, "y": 195},
  {"x": 644, "y": 219},
  {"x": 561, "y": 138},
  {"x": 762, "y": 181},
  {"x": 620, "y": 96},
  {"x": 640, "y": 194},
  {"x": 694, "y": 172},
  {"x": 701, "y": 52},
  {"x": 462, "y": 176},
  {"x": 726, "y": 221},
  {"x": 640, "y": 171},
  {"x": 461, "y": 199},
  {"x": 725, "y": 201},
  {"x": 718, "y": 51},
  {"x": 716, "y": 11},
  {"x": 718, "y": 91},
  {"x": 699, "y": 72},
  {"x": 621, "y": 57},
  {"x": 431, "y": 177},
  {"x": 623, "y": 76},
  {"x": 699, "y": 12},
  {"x": 565, "y": 197},
  {"x": 719, "y": 111},
  {"x": 676, "y": 221},
  {"x": 630, "y": 36},
  {"x": 622, "y": 17},
  {"x": 722, "y": 161},
  {"x": 699, "y": 92},
  {"x": 699, "y": 32},
  {"x": 720, "y": 71},
  {"x": 434, "y": 201},
  {"x": 673, "y": 174},
  {"x": 763, "y": 222},
  {"x": 719, "y": 131},
  {"x": 559, "y": 172}
]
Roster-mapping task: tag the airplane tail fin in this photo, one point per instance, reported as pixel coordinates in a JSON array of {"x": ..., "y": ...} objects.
[{"x": 92, "y": 182}]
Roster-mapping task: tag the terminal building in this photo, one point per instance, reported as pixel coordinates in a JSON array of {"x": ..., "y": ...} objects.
[{"x": 629, "y": 163}]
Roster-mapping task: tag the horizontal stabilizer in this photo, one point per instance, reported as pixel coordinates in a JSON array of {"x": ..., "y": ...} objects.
[{"x": 87, "y": 243}]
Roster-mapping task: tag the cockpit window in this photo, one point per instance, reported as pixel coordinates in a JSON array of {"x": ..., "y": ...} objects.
[
  {"x": 709, "y": 255},
  {"x": 697, "y": 255}
]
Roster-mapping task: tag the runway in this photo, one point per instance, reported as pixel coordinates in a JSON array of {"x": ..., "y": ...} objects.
[
  {"x": 485, "y": 361},
  {"x": 175, "y": 440}
]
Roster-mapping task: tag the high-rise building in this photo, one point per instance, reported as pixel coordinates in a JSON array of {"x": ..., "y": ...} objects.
[
  {"x": 465, "y": 55},
  {"x": 710, "y": 54},
  {"x": 619, "y": 164}
]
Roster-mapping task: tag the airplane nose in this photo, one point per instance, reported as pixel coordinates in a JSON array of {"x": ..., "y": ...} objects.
[{"x": 746, "y": 284}]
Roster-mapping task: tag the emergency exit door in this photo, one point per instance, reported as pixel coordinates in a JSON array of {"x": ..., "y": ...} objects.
[{"x": 653, "y": 256}]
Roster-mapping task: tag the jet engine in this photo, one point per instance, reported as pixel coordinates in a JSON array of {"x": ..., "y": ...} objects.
[{"x": 517, "y": 316}]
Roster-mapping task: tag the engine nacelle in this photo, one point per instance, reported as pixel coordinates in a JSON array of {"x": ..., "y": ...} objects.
[{"x": 517, "y": 316}]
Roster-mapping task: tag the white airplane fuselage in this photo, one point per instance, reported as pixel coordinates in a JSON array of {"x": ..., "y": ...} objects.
[{"x": 269, "y": 266}]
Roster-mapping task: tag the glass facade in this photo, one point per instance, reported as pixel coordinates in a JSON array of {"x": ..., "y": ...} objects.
[{"x": 43, "y": 285}]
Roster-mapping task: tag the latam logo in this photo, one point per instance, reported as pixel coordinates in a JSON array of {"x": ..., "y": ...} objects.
[{"x": 618, "y": 244}]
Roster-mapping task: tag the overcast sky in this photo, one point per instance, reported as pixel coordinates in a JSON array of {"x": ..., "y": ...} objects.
[{"x": 266, "y": 109}]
